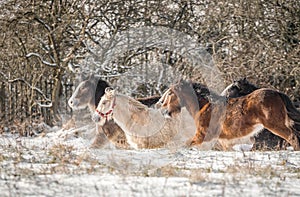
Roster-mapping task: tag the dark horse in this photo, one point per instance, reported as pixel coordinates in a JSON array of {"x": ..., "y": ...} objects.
[
  {"x": 265, "y": 139},
  {"x": 237, "y": 118},
  {"x": 88, "y": 94}
]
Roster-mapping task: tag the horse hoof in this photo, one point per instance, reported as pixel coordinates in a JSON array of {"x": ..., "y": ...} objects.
[{"x": 192, "y": 143}]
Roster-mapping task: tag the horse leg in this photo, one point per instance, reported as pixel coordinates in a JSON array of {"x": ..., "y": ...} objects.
[
  {"x": 100, "y": 139},
  {"x": 198, "y": 137},
  {"x": 115, "y": 135},
  {"x": 202, "y": 121},
  {"x": 284, "y": 132}
]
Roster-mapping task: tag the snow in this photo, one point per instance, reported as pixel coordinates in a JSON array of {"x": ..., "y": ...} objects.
[{"x": 61, "y": 163}]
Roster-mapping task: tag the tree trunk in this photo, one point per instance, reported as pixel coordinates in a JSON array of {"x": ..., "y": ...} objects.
[{"x": 55, "y": 118}]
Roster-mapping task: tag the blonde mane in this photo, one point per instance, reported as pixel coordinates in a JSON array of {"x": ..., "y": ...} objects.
[
  {"x": 136, "y": 105},
  {"x": 140, "y": 112}
]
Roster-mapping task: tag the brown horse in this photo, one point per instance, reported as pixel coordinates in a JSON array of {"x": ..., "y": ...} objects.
[
  {"x": 88, "y": 94},
  {"x": 238, "y": 118},
  {"x": 265, "y": 139}
]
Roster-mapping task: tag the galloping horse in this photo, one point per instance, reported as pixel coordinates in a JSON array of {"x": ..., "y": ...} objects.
[
  {"x": 237, "y": 118},
  {"x": 265, "y": 139},
  {"x": 144, "y": 127},
  {"x": 88, "y": 94}
]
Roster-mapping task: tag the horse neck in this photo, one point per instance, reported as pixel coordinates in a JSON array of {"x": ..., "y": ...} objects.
[
  {"x": 192, "y": 105},
  {"x": 252, "y": 88},
  {"x": 121, "y": 112},
  {"x": 98, "y": 90}
]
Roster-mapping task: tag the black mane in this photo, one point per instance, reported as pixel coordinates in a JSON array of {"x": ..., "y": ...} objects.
[
  {"x": 100, "y": 90},
  {"x": 241, "y": 87},
  {"x": 203, "y": 92}
]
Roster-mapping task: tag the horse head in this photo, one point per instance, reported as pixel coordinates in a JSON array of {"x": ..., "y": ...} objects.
[
  {"x": 240, "y": 87},
  {"x": 169, "y": 103},
  {"x": 88, "y": 93},
  {"x": 106, "y": 106},
  {"x": 83, "y": 94},
  {"x": 177, "y": 96}
]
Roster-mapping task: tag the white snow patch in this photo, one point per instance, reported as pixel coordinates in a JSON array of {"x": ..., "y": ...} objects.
[{"x": 62, "y": 163}]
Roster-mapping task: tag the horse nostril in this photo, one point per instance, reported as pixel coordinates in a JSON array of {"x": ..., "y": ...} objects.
[{"x": 71, "y": 103}]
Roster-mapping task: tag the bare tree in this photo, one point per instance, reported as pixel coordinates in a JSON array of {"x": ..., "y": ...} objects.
[{"x": 255, "y": 39}]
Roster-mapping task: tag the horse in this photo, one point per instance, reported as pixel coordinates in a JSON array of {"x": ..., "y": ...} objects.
[
  {"x": 144, "y": 127},
  {"x": 199, "y": 95},
  {"x": 88, "y": 94},
  {"x": 265, "y": 139},
  {"x": 224, "y": 120}
]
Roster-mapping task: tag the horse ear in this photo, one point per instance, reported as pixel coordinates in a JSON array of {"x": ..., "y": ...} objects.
[
  {"x": 82, "y": 77},
  {"x": 182, "y": 83},
  {"x": 108, "y": 89},
  {"x": 91, "y": 76}
]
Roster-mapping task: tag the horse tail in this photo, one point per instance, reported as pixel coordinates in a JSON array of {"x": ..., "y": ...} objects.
[{"x": 292, "y": 111}]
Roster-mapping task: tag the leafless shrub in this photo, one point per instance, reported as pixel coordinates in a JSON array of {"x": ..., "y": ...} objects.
[{"x": 255, "y": 39}]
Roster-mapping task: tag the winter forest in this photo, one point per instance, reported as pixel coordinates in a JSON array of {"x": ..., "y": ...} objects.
[
  {"x": 140, "y": 47},
  {"x": 45, "y": 44}
]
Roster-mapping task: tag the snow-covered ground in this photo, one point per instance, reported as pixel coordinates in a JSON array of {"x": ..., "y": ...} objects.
[{"x": 61, "y": 163}]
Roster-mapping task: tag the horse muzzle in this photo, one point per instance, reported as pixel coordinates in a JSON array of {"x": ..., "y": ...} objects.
[{"x": 96, "y": 117}]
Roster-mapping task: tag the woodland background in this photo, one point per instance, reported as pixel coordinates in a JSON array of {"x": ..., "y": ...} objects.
[{"x": 45, "y": 44}]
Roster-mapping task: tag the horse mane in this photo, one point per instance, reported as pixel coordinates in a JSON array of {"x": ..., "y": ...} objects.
[
  {"x": 202, "y": 91},
  {"x": 149, "y": 101},
  {"x": 135, "y": 105},
  {"x": 100, "y": 90},
  {"x": 244, "y": 87},
  {"x": 139, "y": 111}
]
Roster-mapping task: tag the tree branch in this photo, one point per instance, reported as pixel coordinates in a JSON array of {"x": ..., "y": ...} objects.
[{"x": 41, "y": 59}]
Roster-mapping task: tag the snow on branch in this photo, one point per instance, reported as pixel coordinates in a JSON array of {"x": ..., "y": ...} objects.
[
  {"x": 36, "y": 89},
  {"x": 43, "y": 23},
  {"x": 4, "y": 75},
  {"x": 41, "y": 59}
]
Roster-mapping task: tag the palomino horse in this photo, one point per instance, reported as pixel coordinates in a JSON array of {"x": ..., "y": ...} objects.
[
  {"x": 144, "y": 127},
  {"x": 238, "y": 118},
  {"x": 88, "y": 94}
]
